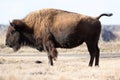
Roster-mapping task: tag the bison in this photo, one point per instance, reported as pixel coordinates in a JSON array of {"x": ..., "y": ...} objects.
[{"x": 48, "y": 29}]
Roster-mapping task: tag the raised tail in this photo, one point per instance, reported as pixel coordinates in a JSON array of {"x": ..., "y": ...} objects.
[{"x": 104, "y": 14}]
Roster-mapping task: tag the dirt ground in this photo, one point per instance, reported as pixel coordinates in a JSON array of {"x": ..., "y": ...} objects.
[{"x": 67, "y": 67}]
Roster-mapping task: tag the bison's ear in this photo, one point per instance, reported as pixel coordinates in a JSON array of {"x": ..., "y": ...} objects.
[{"x": 17, "y": 24}]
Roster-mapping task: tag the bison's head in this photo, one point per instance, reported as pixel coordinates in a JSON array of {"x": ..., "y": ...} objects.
[
  {"x": 19, "y": 34},
  {"x": 13, "y": 36}
]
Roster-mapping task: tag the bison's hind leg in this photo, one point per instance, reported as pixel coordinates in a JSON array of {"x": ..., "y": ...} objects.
[
  {"x": 97, "y": 55},
  {"x": 94, "y": 53}
]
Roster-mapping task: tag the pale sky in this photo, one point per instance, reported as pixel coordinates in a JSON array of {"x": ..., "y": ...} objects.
[{"x": 18, "y": 9}]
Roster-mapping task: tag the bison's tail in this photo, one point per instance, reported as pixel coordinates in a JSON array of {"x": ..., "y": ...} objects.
[{"x": 104, "y": 14}]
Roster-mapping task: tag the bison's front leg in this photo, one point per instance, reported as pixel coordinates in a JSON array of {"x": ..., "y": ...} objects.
[
  {"x": 51, "y": 50},
  {"x": 50, "y": 59}
]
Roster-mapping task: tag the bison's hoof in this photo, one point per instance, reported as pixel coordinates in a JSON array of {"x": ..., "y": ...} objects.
[{"x": 55, "y": 58}]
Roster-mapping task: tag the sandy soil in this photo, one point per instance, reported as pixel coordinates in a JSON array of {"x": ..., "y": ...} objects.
[{"x": 23, "y": 67}]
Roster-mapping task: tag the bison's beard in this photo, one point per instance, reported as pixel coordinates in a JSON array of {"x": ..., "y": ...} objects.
[{"x": 16, "y": 47}]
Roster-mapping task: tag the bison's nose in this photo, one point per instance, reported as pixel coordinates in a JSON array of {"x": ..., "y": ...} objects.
[{"x": 8, "y": 45}]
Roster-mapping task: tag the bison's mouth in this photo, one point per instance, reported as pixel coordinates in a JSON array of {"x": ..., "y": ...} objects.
[{"x": 16, "y": 48}]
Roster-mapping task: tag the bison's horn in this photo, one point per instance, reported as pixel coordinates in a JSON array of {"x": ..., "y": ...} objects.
[{"x": 11, "y": 23}]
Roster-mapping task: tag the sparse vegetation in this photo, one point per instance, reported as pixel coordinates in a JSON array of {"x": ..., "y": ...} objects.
[{"x": 66, "y": 68}]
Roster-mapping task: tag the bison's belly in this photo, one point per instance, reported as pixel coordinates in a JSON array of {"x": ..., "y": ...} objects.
[{"x": 70, "y": 41}]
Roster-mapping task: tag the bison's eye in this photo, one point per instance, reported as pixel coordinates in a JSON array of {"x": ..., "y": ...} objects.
[{"x": 12, "y": 32}]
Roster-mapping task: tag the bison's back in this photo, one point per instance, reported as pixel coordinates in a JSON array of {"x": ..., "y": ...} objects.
[{"x": 59, "y": 15}]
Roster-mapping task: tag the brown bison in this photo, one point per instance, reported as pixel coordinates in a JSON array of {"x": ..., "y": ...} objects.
[{"x": 49, "y": 29}]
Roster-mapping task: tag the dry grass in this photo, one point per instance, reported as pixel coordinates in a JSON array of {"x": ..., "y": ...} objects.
[{"x": 66, "y": 68}]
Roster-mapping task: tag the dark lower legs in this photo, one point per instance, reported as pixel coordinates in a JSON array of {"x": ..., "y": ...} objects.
[
  {"x": 50, "y": 60},
  {"x": 97, "y": 57},
  {"x": 94, "y": 53},
  {"x": 91, "y": 59},
  {"x": 51, "y": 51}
]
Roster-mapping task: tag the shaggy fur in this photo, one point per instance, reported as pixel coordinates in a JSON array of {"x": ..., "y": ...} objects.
[{"x": 49, "y": 29}]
